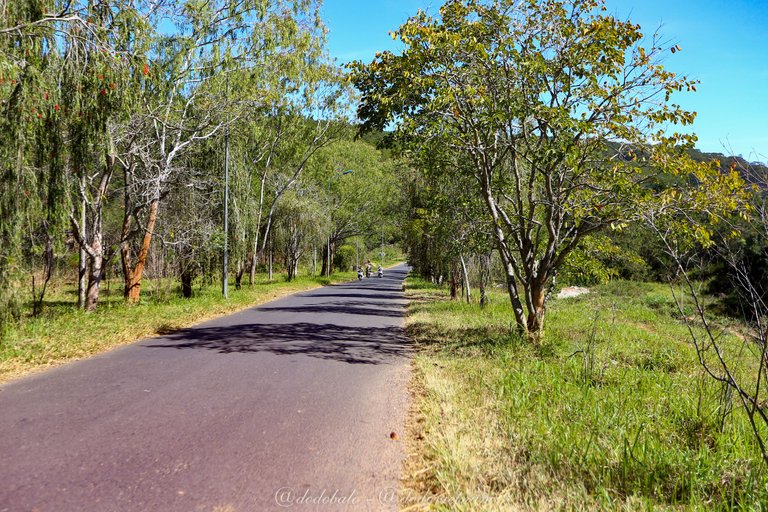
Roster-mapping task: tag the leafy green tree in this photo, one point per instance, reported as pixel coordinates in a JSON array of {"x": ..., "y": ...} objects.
[
  {"x": 530, "y": 101},
  {"x": 64, "y": 65},
  {"x": 298, "y": 227},
  {"x": 23, "y": 63},
  {"x": 103, "y": 72}
]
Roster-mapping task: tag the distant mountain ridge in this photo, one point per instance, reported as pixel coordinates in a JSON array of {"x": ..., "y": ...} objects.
[{"x": 750, "y": 171}]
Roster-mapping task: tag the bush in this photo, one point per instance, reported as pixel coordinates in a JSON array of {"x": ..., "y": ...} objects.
[
  {"x": 583, "y": 270},
  {"x": 344, "y": 258},
  {"x": 598, "y": 260}
]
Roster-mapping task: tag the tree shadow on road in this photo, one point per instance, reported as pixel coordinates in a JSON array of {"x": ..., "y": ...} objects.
[
  {"x": 354, "y": 345},
  {"x": 374, "y": 296},
  {"x": 340, "y": 309},
  {"x": 393, "y": 291}
]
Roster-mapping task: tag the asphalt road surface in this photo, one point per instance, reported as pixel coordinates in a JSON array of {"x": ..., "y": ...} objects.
[{"x": 289, "y": 405}]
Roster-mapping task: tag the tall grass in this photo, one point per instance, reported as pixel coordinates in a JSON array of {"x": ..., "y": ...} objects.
[{"x": 611, "y": 412}]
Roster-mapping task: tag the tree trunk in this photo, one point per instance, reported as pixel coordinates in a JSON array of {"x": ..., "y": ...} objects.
[
  {"x": 485, "y": 274},
  {"x": 466, "y": 279},
  {"x": 239, "y": 274},
  {"x": 536, "y": 310},
  {"x": 454, "y": 282},
  {"x": 506, "y": 258},
  {"x": 325, "y": 270},
  {"x": 293, "y": 249},
  {"x": 93, "y": 248},
  {"x": 83, "y": 264},
  {"x": 333, "y": 256},
  {"x": 291, "y": 267},
  {"x": 251, "y": 269},
  {"x": 134, "y": 273},
  {"x": 514, "y": 298},
  {"x": 94, "y": 271},
  {"x": 271, "y": 257},
  {"x": 37, "y": 298},
  {"x": 187, "y": 276}
]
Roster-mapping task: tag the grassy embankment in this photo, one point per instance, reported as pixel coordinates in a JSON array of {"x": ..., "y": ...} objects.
[
  {"x": 611, "y": 412},
  {"x": 63, "y": 333}
]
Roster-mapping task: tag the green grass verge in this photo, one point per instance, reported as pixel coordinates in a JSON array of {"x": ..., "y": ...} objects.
[
  {"x": 611, "y": 412},
  {"x": 64, "y": 333}
]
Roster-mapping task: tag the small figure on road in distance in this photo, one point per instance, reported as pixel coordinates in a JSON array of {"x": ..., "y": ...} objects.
[
  {"x": 380, "y": 272},
  {"x": 368, "y": 267},
  {"x": 360, "y": 273}
]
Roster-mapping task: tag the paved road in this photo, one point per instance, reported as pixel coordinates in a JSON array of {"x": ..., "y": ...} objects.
[{"x": 290, "y": 402}]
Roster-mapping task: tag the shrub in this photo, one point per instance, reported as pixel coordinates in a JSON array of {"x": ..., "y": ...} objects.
[{"x": 344, "y": 258}]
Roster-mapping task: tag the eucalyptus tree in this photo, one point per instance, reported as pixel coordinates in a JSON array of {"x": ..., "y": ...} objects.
[
  {"x": 228, "y": 64},
  {"x": 187, "y": 100},
  {"x": 532, "y": 97},
  {"x": 100, "y": 88},
  {"x": 182, "y": 98},
  {"x": 298, "y": 226},
  {"x": 302, "y": 111}
]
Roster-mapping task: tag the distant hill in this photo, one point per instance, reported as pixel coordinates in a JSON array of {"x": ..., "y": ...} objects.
[{"x": 752, "y": 172}]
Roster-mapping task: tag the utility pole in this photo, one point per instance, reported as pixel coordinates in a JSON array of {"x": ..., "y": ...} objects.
[
  {"x": 224, "y": 270},
  {"x": 328, "y": 246}
]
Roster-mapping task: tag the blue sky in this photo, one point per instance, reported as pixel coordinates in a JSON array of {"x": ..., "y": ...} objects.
[{"x": 725, "y": 45}]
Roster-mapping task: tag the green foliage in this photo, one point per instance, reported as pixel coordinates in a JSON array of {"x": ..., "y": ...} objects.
[
  {"x": 538, "y": 117},
  {"x": 344, "y": 259},
  {"x": 583, "y": 269},
  {"x": 598, "y": 260},
  {"x": 103, "y": 106}
]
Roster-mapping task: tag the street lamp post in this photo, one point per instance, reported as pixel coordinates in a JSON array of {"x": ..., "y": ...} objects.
[{"x": 225, "y": 270}]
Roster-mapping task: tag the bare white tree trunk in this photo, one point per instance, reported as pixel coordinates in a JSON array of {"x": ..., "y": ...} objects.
[{"x": 466, "y": 279}]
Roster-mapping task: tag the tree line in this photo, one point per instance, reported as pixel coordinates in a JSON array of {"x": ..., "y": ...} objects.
[
  {"x": 120, "y": 118},
  {"x": 541, "y": 131}
]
